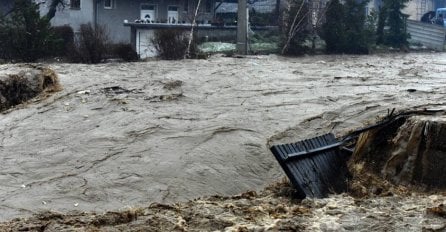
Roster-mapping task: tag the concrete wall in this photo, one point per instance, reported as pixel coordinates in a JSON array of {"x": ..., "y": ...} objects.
[
  {"x": 416, "y": 10},
  {"x": 411, "y": 9},
  {"x": 72, "y": 17},
  {"x": 114, "y": 18}
]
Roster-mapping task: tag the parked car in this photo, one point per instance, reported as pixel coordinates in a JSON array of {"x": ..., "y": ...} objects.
[
  {"x": 440, "y": 16},
  {"x": 428, "y": 17}
]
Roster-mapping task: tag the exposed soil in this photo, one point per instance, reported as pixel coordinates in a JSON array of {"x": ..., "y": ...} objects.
[{"x": 126, "y": 135}]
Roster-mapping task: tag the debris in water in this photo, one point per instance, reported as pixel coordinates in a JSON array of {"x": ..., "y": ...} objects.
[
  {"x": 170, "y": 85},
  {"x": 439, "y": 210},
  {"x": 26, "y": 84},
  {"x": 83, "y": 92}
]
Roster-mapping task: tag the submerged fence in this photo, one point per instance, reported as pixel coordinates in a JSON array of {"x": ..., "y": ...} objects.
[{"x": 430, "y": 35}]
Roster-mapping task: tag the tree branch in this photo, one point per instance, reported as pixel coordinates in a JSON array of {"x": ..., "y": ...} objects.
[{"x": 53, "y": 8}]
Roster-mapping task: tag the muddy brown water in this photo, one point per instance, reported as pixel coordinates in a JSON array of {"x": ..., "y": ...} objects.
[{"x": 128, "y": 134}]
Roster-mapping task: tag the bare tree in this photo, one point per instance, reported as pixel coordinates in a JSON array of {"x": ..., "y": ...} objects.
[
  {"x": 318, "y": 10},
  {"x": 191, "y": 35},
  {"x": 297, "y": 24},
  {"x": 53, "y": 8},
  {"x": 308, "y": 14},
  {"x": 54, "y": 4}
]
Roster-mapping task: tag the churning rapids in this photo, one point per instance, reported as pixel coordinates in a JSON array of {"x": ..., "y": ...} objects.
[{"x": 125, "y": 135}]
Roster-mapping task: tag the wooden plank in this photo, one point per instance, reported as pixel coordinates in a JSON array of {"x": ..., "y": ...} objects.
[{"x": 316, "y": 174}]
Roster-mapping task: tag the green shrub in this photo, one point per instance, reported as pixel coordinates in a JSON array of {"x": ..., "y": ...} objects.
[
  {"x": 357, "y": 41},
  {"x": 171, "y": 44},
  {"x": 24, "y": 35},
  {"x": 391, "y": 16},
  {"x": 65, "y": 36},
  {"x": 371, "y": 26},
  {"x": 382, "y": 15},
  {"x": 124, "y": 51},
  {"x": 333, "y": 30},
  {"x": 91, "y": 46},
  {"x": 346, "y": 29}
]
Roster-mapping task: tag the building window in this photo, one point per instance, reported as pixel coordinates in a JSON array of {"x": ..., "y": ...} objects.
[
  {"x": 172, "y": 8},
  {"x": 172, "y": 14},
  {"x": 147, "y": 7},
  {"x": 75, "y": 4},
  {"x": 148, "y": 13},
  {"x": 108, "y": 4}
]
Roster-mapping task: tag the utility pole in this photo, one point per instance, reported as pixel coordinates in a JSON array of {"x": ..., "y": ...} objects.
[{"x": 242, "y": 27}]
